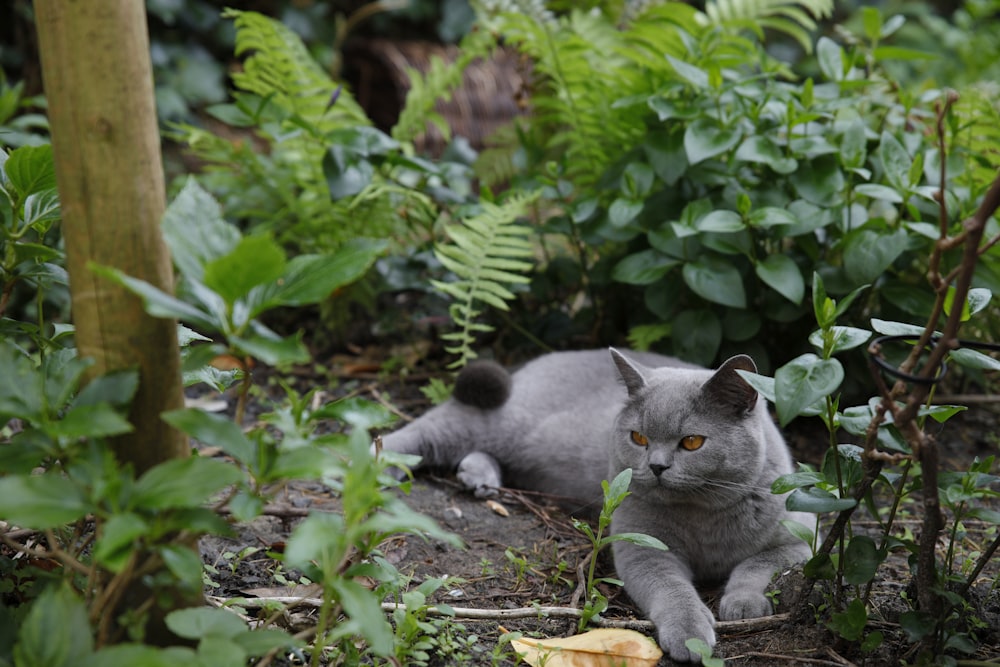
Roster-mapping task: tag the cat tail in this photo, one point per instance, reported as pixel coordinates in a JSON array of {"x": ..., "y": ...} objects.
[{"x": 483, "y": 384}]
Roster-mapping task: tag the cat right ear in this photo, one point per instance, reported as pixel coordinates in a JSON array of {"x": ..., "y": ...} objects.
[{"x": 629, "y": 372}]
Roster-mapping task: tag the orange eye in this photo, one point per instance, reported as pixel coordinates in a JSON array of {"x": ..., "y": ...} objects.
[
  {"x": 692, "y": 442},
  {"x": 639, "y": 438}
]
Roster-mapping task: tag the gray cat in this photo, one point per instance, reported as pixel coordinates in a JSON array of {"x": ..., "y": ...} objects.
[{"x": 703, "y": 452}]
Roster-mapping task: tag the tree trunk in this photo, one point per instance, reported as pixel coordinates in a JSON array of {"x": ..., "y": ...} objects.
[{"x": 99, "y": 84}]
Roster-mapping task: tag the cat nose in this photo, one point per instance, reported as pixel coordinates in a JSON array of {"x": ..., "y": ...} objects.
[{"x": 657, "y": 468}]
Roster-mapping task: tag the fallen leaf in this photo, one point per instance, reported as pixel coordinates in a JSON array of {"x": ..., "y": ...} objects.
[
  {"x": 597, "y": 648},
  {"x": 497, "y": 507}
]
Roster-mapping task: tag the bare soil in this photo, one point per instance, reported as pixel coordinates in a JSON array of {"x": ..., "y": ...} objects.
[{"x": 520, "y": 551}]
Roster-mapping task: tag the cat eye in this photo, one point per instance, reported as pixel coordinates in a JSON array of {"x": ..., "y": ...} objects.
[
  {"x": 692, "y": 442},
  {"x": 639, "y": 438}
]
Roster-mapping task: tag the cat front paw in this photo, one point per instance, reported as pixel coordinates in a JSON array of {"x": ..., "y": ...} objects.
[
  {"x": 672, "y": 635},
  {"x": 744, "y": 604}
]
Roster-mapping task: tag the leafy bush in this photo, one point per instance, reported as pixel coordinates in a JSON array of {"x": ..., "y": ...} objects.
[{"x": 682, "y": 160}]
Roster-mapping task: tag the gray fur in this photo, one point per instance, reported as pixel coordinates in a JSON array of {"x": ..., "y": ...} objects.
[{"x": 564, "y": 426}]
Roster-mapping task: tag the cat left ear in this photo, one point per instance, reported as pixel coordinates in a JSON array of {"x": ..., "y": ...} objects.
[
  {"x": 731, "y": 391},
  {"x": 629, "y": 372}
]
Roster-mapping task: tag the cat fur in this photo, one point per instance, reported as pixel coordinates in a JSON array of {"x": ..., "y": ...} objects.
[{"x": 563, "y": 423}]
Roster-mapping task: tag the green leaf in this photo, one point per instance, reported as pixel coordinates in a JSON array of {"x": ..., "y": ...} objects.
[
  {"x": 697, "y": 335},
  {"x": 41, "y": 209},
  {"x": 623, "y": 211},
  {"x": 974, "y": 359},
  {"x": 781, "y": 273},
  {"x": 116, "y": 388},
  {"x": 760, "y": 149},
  {"x": 356, "y": 411},
  {"x": 195, "y": 231},
  {"x": 799, "y": 530},
  {"x": 271, "y": 350},
  {"x": 880, "y": 192},
  {"x": 639, "y": 539},
  {"x": 861, "y": 560},
  {"x": 721, "y": 221},
  {"x": 364, "y": 608},
  {"x": 690, "y": 73},
  {"x": 117, "y": 540},
  {"x": 705, "y": 138},
  {"x": 887, "y": 328},
  {"x": 844, "y": 338},
  {"x": 770, "y": 216},
  {"x": 643, "y": 268},
  {"x": 138, "y": 655},
  {"x": 715, "y": 280},
  {"x": 917, "y": 624},
  {"x": 183, "y": 562},
  {"x": 30, "y": 170},
  {"x": 815, "y": 500},
  {"x": 831, "y": 59},
  {"x": 201, "y": 622},
  {"x": 867, "y": 254},
  {"x": 91, "y": 421},
  {"x": 256, "y": 260},
  {"x": 186, "y": 482},
  {"x": 41, "y": 501},
  {"x": 309, "y": 279},
  {"x": 802, "y": 382},
  {"x": 854, "y": 145},
  {"x": 157, "y": 302},
  {"x": 55, "y": 632},
  {"x": 896, "y": 162},
  {"x": 703, "y": 650},
  {"x": 665, "y": 152},
  {"x": 212, "y": 429},
  {"x": 795, "y": 480},
  {"x": 850, "y": 623}
]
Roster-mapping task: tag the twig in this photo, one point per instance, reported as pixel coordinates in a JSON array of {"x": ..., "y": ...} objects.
[
  {"x": 791, "y": 658},
  {"x": 473, "y": 613}
]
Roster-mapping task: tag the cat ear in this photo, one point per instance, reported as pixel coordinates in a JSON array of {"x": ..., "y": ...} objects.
[
  {"x": 629, "y": 372},
  {"x": 728, "y": 389}
]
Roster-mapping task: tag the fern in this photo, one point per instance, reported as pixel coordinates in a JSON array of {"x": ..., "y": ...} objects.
[
  {"x": 976, "y": 128},
  {"x": 489, "y": 253},
  {"x": 437, "y": 84},
  {"x": 795, "y": 18}
]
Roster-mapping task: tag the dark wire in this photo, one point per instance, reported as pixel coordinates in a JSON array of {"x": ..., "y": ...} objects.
[{"x": 934, "y": 340}]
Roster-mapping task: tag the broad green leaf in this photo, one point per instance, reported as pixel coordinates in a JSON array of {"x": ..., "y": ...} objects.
[
  {"x": 623, "y": 211},
  {"x": 272, "y": 351},
  {"x": 844, "y": 338},
  {"x": 795, "y": 480},
  {"x": 643, "y": 268},
  {"x": 978, "y": 299},
  {"x": 974, "y": 359},
  {"x": 861, "y": 560},
  {"x": 30, "y": 169},
  {"x": 55, "y": 632},
  {"x": 204, "y": 622},
  {"x": 867, "y": 254},
  {"x": 183, "y": 562},
  {"x": 850, "y": 623},
  {"x": 117, "y": 540},
  {"x": 815, "y": 500},
  {"x": 356, "y": 411},
  {"x": 195, "y": 231},
  {"x": 799, "y": 530},
  {"x": 831, "y": 59},
  {"x": 140, "y": 655},
  {"x": 211, "y": 429},
  {"x": 186, "y": 482},
  {"x": 896, "y": 161},
  {"x": 41, "y": 501},
  {"x": 637, "y": 180},
  {"x": 158, "y": 303},
  {"x": 721, "y": 221},
  {"x": 665, "y": 151},
  {"x": 91, "y": 421},
  {"x": 715, "y": 280},
  {"x": 763, "y": 384},
  {"x": 881, "y": 192},
  {"x": 221, "y": 652},
  {"x": 697, "y": 335},
  {"x": 318, "y": 538},
  {"x": 781, "y": 273},
  {"x": 758, "y": 148},
  {"x": 41, "y": 209},
  {"x": 854, "y": 145},
  {"x": 770, "y": 216},
  {"x": 887, "y": 328},
  {"x": 364, "y": 608},
  {"x": 705, "y": 138},
  {"x": 116, "y": 388},
  {"x": 256, "y": 260},
  {"x": 690, "y": 73},
  {"x": 802, "y": 382},
  {"x": 639, "y": 539}
]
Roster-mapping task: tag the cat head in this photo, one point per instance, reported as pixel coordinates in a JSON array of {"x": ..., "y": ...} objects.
[{"x": 690, "y": 433}]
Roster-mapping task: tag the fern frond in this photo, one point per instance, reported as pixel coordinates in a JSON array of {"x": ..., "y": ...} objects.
[
  {"x": 279, "y": 67},
  {"x": 438, "y": 83},
  {"x": 488, "y": 253},
  {"x": 977, "y": 137},
  {"x": 795, "y": 18}
]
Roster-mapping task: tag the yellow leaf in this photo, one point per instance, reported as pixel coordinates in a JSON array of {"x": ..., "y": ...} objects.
[{"x": 604, "y": 647}]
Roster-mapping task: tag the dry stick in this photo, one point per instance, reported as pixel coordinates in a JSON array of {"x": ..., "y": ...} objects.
[{"x": 476, "y": 614}]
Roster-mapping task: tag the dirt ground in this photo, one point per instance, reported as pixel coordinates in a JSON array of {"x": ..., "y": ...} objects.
[{"x": 521, "y": 552}]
